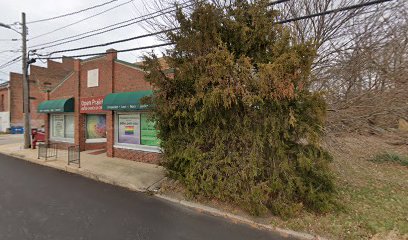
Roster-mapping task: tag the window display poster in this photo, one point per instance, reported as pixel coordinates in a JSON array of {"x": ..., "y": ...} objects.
[
  {"x": 58, "y": 126},
  {"x": 148, "y": 132},
  {"x": 96, "y": 126},
  {"x": 129, "y": 128}
]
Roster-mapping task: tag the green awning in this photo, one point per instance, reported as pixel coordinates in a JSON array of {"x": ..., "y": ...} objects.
[
  {"x": 56, "y": 106},
  {"x": 125, "y": 101}
]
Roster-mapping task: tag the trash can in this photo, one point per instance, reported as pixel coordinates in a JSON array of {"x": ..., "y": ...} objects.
[{"x": 17, "y": 130}]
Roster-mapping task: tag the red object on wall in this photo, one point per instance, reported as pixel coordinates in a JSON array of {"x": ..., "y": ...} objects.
[{"x": 91, "y": 105}]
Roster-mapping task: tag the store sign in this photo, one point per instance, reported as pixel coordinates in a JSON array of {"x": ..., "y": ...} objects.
[
  {"x": 129, "y": 128},
  {"x": 91, "y": 105}
]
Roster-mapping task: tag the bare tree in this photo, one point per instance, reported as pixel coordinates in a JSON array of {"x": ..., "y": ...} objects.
[
  {"x": 361, "y": 62},
  {"x": 362, "y": 56}
]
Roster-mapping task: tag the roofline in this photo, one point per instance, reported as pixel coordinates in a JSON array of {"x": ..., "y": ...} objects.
[
  {"x": 5, "y": 84},
  {"x": 91, "y": 58},
  {"x": 130, "y": 65}
]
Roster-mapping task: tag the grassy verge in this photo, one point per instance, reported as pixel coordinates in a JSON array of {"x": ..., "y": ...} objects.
[
  {"x": 374, "y": 196},
  {"x": 388, "y": 157}
]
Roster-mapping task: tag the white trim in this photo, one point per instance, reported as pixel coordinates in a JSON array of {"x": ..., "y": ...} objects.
[
  {"x": 51, "y": 129},
  {"x": 65, "y": 140},
  {"x": 95, "y": 140},
  {"x": 143, "y": 148}
]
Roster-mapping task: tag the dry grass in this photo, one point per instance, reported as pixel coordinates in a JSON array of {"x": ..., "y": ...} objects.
[{"x": 374, "y": 195}]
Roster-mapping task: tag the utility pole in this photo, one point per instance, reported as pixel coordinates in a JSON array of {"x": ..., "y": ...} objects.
[{"x": 26, "y": 99}]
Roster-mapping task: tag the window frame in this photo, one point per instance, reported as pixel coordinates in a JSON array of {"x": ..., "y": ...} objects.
[
  {"x": 138, "y": 147},
  {"x": 51, "y": 127},
  {"x": 92, "y": 83}
]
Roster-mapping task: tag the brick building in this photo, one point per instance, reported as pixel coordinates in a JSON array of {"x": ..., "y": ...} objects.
[
  {"x": 97, "y": 106},
  {"x": 41, "y": 80}
]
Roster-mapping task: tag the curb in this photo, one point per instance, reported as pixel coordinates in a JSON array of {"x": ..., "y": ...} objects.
[
  {"x": 200, "y": 207},
  {"x": 215, "y": 212}
]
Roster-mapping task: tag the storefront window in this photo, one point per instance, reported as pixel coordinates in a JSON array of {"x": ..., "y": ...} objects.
[
  {"x": 96, "y": 126},
  {"x": 69, "y": 126},
  {"x": 129, "y": 128},
  {"x": 62, "y": 126},
  {"x": 136, "y": 129}
]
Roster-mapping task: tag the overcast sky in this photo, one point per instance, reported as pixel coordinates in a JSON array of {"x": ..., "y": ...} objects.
[{"x": 10, "y": 12}]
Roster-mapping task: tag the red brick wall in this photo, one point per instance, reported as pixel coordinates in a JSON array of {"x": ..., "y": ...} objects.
[
  {"x": 66, "y": 89},
  {"x": 139, "y": 156},
  {"x": 105, "y": 69},
  {"x": 38, "y": 76},
  {"x": 128, "y": 79},
  {"x": 16, "y": 99},
  {"x": 114, "y": 76}
]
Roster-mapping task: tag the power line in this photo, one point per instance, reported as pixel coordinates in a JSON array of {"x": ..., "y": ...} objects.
[
  {"x": 166, "y": 44},
  {"x": 8, "y": 40},
  {"x": 115, "y": 42},
  {"x": 130, "y": 22},
  {"x": 11, "y": 62},
  {"x": 334, "y": 11},
  {"x": 10, "y": 51},
  {"x": 79, "y": 21},
  {"x": 72, "y": 13},
  {"x": 147, "y": 17},
  {"x": 277, "y": 2},
  {"x": 104, "y": 53}
]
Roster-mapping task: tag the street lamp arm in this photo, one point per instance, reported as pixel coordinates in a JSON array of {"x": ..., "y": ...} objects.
[
  {"x": 5, "y": 25},
  {"x": 9, "y": 27}
]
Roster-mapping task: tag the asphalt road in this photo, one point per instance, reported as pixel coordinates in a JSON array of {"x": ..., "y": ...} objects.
[{"x": 37, "y": 202}]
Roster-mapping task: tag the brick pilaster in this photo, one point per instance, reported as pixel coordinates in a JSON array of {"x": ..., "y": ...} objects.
[
  {"x": 78, "y": 118},
  {"x": 110, "y": 137}
]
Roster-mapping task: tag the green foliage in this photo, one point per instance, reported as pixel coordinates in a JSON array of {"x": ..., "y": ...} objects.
[
  {"x": 388, "y": 157},
  {"x": 237, "y": 121}
]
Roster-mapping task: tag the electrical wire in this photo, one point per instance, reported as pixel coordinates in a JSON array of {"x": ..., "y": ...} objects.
[
  {"x": 166, "y": 44},
  {"x": 342, "y": 9},
  {"x": 11, "y": 62},
  {"x": 9, "y": 51},
  {"x": 277, "y": 2},
  {"x": 130, "y": 22},
  {"x": 72, "y": 13},
  {"x": 114, "y": 42},
  {"x": 104, "y": 53},
  {"x": 79, "y": 21}
]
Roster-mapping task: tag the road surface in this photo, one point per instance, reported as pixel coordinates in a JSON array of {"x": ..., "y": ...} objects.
[{"x": 41, "y": 203}]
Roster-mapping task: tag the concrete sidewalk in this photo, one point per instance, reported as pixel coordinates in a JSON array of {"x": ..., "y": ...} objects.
[{"x": 135, "y": 176}]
